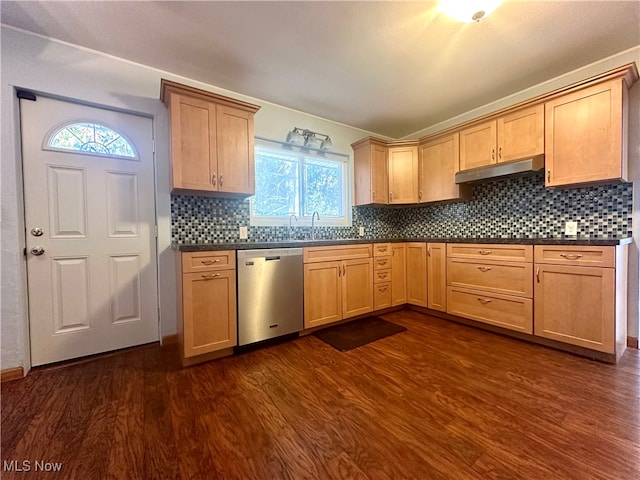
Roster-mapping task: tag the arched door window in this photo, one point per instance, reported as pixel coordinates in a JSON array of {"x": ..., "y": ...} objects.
[{"x": 91, "y": 138}]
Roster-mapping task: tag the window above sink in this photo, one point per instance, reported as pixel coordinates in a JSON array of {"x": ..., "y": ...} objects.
[{"x": 300, "y": 183}]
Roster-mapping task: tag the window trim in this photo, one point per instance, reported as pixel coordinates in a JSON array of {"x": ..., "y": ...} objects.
[{"x": 305, "y": 221}]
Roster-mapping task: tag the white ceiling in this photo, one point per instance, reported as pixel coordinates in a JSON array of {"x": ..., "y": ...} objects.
[{"x": 391, "y": 68}]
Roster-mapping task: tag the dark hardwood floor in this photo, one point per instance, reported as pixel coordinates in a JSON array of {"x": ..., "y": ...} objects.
[{"x": 439, "y": 401}]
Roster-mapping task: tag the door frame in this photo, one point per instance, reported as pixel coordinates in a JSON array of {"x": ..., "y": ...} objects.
[{"x": 22, "y": 208}]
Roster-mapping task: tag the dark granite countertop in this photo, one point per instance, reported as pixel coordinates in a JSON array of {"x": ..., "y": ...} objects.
[{"x": 199, "y": 247}]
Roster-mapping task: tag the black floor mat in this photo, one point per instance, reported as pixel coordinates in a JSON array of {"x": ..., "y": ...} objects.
[{"x": 359, "y": 332}]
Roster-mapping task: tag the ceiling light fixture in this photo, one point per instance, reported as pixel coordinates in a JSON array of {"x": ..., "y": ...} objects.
[
  {"x": 468, "y": 10},
  {"x": 309, "y": 139}
]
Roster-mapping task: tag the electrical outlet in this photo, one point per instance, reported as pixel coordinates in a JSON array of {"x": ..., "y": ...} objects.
[
  {"x": 244, "y": 233},
  {"x": 571, "y": 228},
  {"x": 361, "y": 231}
]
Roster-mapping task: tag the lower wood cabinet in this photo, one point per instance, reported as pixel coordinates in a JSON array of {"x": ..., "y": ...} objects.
[
  {"x": 337, "y": 289},
  {"x": 483, "y": 285},
  {"x": 416, "y": 273},
  {"x": 578, "y": 303},
  {"x": 398, "y": 274},
  {"x": 206, "y": 304},
  {"x": 437, "y": 276}
]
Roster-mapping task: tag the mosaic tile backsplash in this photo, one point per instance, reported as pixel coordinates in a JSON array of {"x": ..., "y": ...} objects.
[{"x": 518, "y": 207}]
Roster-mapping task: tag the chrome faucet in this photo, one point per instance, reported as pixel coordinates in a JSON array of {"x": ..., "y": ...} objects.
[
  {"x": 313, "y": 224},
  {"x": 291, "y": 217}
]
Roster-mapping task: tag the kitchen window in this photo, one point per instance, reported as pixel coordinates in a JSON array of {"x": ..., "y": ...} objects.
[{"x": 299, "y": 183}]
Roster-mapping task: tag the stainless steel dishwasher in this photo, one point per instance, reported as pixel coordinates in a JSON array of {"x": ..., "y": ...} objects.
[{"x": 270, "y": 293}]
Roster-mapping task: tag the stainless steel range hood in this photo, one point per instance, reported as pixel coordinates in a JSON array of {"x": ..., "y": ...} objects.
[{"x": 519, "y": 167}]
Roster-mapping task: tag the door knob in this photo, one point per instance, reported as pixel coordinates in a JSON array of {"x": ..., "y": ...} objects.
[
  {"x": 37, "y": 232},
  {"x": 37, "y": 251}
]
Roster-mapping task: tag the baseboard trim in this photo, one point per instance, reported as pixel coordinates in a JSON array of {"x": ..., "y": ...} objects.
[
  {"x": 9, "y": 374},
  {"x": 170, "y": 340},
  {"x": 632, "y": 342}
]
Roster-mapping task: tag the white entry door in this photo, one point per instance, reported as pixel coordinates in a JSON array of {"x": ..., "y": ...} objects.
[{"x": 90, "y": 229}]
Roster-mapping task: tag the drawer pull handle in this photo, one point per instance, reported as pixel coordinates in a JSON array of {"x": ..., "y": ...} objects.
[
  {"x": 209, "y": 262},
  {"x": 209, "y": 276},
  {"x": 382, "y": 289},
  {"x": 484, "y": 252},
  {"x": 538, "y": 274},
  {"x": 571, "y": 256},
  {"x": 382, "y": 249},
  {"x": 484, "y": 269},
  {"x": 428, "y": 251},
  {"x": 382, "y": 262},
  {"x": 213, "y": 180},
  {"x": 484, "y": 301},
  {"x": 382, "y": 275}
]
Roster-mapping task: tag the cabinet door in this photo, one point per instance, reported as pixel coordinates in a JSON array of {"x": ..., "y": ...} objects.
[
  {"x": 439, "y": 161},
  {"x": 370, "y": 172},
  {"x": 478, "y": 146},
  {"x": 521, "y": 134},
  {"x": 322, "y": 293},
  {"x": 575, "y": 305},
  {"x": 357, "y": 287},
  {"x": 583, "y": 136},
  {"x": 403, "y": 175},
  {"x": 398, "y": 274},
  {"x": 416, "y": 273},
  {"x": 437, "y": 276},
  {"x": 193, "y": 143},
  {"x": 236, "y": 171},
  {"x": 208, "y": 311}
]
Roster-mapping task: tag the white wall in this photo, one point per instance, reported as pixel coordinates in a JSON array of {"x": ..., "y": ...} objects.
[{"x": 54, "y": 68}]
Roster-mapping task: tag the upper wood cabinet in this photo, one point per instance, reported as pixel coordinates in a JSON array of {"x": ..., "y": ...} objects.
[
  {"x": 212, "y": 142},
  {"x": 438, "y": 162},
  {"x": 403, "y": 172},
  {"x": 586, "y": 135},
  {"x": 513, "y": 136},
  {"x": 370, "y": 170}
]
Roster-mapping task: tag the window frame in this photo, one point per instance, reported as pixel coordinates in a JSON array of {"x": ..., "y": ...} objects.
[{"x": 301, "y": 153}]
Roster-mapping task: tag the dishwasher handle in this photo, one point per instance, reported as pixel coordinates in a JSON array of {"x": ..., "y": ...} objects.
[{"x": 271, "y": 259}]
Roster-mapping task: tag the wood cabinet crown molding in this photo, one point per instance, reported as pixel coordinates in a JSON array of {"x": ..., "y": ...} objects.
[
  {"x": 628, "y": 72},
  {"x": 167, "y": 87}
]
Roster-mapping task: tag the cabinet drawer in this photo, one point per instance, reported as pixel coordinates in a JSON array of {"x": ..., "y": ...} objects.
[
  {"x": 204, "y": 261},
  {"x": 576, "y": 255},
  {"x": 381, "y": 295},
  {"x": 381, "y": 249},
  {"x": 381, "y": 263},
  {"x": 336, "y": 253},
  {"x": 512, "y": 253},
  {"x": 380, "y": 276},
  {"x": 506, "y": 311},
  {"x": 511, "y": 278}
]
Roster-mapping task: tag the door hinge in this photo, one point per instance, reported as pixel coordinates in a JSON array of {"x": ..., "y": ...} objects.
[
  {"x": 24, "y": 251},
  {"x": 153, "y": 142},
  {"x": 26, "y": 95},
  {"x": 155, "y": 230}
]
